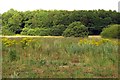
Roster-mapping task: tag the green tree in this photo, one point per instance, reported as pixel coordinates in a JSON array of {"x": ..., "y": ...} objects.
[
  {"x": 57, "y": 30},
  {"x": 36, "y": 31},
  {"x": 95, "y": 20},
  {"x": 111, "y": 31},
  {"x": 6, "y": 31},
  {"x": 76, "y": 29},
  {"x": 12, "y": 20}
]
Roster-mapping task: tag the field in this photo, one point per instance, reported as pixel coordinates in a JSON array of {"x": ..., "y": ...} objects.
[{"x": 59, "y": 57}]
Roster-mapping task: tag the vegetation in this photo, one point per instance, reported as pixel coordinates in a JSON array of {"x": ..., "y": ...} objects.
[
  {"x": 72, "y": 56},
  {"x": 60, "y": 58},
  {"x": 111, "y": 31},
  {"x": 0, "y": 24},
  {"x": 76, "y": 29},
  {"x": 57, "y": 30},
  {"x": 36, "y": 31},
  {"x": 56, "y": 21}
]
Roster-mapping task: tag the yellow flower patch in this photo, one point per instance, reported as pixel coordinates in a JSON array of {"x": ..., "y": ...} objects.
[
  {"x": 8, "y": 42},
  {"x": 96, "y": 42}
]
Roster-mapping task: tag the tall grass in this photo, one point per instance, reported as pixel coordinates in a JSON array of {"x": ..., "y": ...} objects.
[{"x": 59, "y": 57}]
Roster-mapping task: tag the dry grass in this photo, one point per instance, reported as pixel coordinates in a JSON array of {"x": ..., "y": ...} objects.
[
  {"x": 22, "y": 36},
  {"x": 94, "y": 36},
  {"x": 56, "y": 57}
]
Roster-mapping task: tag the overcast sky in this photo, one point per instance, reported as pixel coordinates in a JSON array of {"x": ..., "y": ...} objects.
[{"x": 23, "y": 5}]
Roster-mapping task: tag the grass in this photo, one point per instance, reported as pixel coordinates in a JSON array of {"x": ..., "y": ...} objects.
[{"x": 59, "y": 58}]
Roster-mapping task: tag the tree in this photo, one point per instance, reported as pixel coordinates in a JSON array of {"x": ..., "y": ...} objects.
[
  {"x": 111, "y": 31},
  {"x": 6, "y": 31},
  {"x": 94, "y": 20},
  {"x": 76, "y": 29},
  {"x": 36, "y": 31},
  {"x": 57, "y": 30},
  {"x": 12, "y": 21}
]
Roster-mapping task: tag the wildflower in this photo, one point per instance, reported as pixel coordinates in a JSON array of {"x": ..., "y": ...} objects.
[
  {"x": 7, "y": 42},
  {"x": 95, "y": 42}
]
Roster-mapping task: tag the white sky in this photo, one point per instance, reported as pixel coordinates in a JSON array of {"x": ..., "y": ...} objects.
[{"x": 23, "y": 5}]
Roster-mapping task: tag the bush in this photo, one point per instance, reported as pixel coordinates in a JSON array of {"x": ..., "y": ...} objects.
[
  {"x": 5, "y": 31},
  {"x": 44, "y": 31},
  {"x": 76, "y": 29},
  {"x": 36, "y": 31},
  {"x": 111, "y": 31},
  {"x": 57, "y": 30}
]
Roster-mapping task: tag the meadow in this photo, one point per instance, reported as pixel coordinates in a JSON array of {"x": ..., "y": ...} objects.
[{"x": 59, "y": 57}]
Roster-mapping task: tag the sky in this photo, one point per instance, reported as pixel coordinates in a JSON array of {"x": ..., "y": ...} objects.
[{"x": 24, "y": 5}]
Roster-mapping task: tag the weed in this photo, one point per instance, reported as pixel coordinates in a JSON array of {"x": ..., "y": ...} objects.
[
  {"x": 60, "y": 57},
  {"x": 12, "y": 54}
]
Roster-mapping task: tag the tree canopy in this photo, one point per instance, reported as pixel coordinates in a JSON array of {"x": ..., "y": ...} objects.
[
  {"x": 111, "y": 31},
  {"x": 57, "y": 21},
  {"x": 76, "y": 29}
]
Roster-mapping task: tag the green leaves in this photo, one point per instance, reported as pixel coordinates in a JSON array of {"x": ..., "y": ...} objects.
[
  {"x": 94, "y": 20},
  {"x": 57, "y": 30},
  {"x": 36, "y": 31},
  {"x": 76, "y": 29},
  {"x": 112, "y": 31}
]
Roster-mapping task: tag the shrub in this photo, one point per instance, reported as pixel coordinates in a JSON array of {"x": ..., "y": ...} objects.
[
  {"x": 6, "y": 31},
  {"x": 76, "y": 29},
  {"x": 57, "y": 30},
  {"x": 36, "y": 31},
  {"x": 24, "y": 31},
  {"x": 111, "y": 31},
  {"x": 44, "y": 31}
]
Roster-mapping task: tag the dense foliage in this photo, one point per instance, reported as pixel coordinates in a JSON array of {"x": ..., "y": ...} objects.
[
  {"x": 35, "y": 31},
  {"x": 112, "y": 31},
  {"x": 76, "y": 29},
  {"x": 56, "y": 21}
]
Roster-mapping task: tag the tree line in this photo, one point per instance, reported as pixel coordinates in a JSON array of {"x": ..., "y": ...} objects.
[{"x": 57, "y": 22}]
